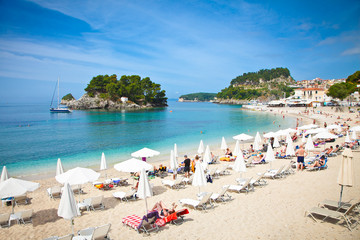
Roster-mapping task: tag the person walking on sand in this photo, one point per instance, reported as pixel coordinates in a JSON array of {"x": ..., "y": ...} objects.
[
  {"x": 301, "y": 154},
  {"x": 187, "y": 162}
]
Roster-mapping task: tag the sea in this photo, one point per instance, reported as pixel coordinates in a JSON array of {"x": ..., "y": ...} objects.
[{"x": 32, "y": 138}]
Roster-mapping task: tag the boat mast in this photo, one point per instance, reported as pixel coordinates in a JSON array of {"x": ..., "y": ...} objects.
[{"x": 58, "y": 90}]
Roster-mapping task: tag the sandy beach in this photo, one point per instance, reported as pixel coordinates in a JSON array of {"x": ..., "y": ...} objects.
[{"x": 274, "y": 211}]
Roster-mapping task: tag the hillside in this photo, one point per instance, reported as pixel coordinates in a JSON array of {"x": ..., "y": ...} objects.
[
  {"x": 201, "y": 97},
  {"x": 264, "y": 85}
]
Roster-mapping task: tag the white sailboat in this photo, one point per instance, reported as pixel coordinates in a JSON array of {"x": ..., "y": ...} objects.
[{"x": 58, "y": 109}]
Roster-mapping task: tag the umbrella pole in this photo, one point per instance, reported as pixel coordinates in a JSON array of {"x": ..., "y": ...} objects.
[
  {"x": 13, "y": 204},
  {"x": 72, "y": 225},
  {"x": 146, "y": 206},
  {"x": 341, "y": 191}
]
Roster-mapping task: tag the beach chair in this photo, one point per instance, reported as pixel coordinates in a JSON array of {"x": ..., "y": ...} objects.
[
  {"x": 259, "y": 181},
  {"x": 94, "y": 203},
  {"x": 177, "y": 184},
  {"x": 273, "y": 173},
  {"x": 287, "y": 171},
  {"x": 325, "y": 213},
  {"x": 179, "y": 216},
  {"x": 66, "y": 237},
  {"x": 77, "y": 188},
  {"x": 125, "y": 196},
  {"x": 318, "y": 168},
  {"x": 222, "y": 171},
  {"x": 54, "y": 192},
  {"x": 223, "y": 196},
  {"x": 242, "y": 186},
  {"x": 4, "y": 220},
  {"x": 22, "y": 199},
  {"x": 334, "y": 205},
  {"x": 145, "y": 224},
  {"x": 95, "y": 233},
  {"x": 188, "y": 180},
  {"x": 24, "y": 216},
  {"x": 198, "y": 204}
]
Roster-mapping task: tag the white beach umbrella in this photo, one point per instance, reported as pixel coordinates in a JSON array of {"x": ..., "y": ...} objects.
[
  {"x": 4, "y": 174},
  {"x": 133, "y": 165},
  {"x": 103, "y": 165},
  {"x": 353, "y": 135},
  {"x": 242, "y": 137},
  {"x": 59, "y": 167},
  {"x": 173, "y": 162},
  {"x": 144, "y": 189},
  {"x": 207, "y": 155},
  {"x": 14, "y": 187},
  {"x": 270, "y": 156},
  {"x": 145, "y": 153},
  {"x": 67, "y": 206},
  {"x": 176, "y": 153},
  {"x": 269, "y": 135},
  {"x": 224, "y": 146},
  {"x": 291, "y": 130},
  {"x": 237, "y": 150},
  {"x": 347, "y": 138},
  {"x": 199, "y": 176},
  {"x": 290, "y": 149},
  {"x": 309, "y": 144},
  {"x": 334, "y": 126},
  {"x": 281, "y": 133},
  {"x": 201, "y": 147},
  {"x": 258, "y": 138},
  {"x": 325, "y": 135},
  {"x": 78, "y": 175},
  {"x": 303, "y": 139},
  {"x": 316, "y": 130},
  {"x": 276, "y": 142},
  {"x": 288, "y": 138},
  {"x": 239, "y": 165},
  {"x": 256, "y": 145},
  {"x": 346, "y": 171},
  {"x": 309, "y": 126},
  {"x": 355, "y": 128}
]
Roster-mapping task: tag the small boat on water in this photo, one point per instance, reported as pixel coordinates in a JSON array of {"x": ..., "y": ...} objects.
[{"x": 59, "y": 108}]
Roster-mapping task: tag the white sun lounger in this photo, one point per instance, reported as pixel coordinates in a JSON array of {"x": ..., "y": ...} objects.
[
  {"x": 177, "y": 184},
  {"x": 125, "y": 196},
  {"x": 4, "y": 220},
  {"x": 94, "y": 233},
  {"x": 54, "y": 192},
  {"x": 273, "y": 173},
  {"x": 243, "y": 186},
  {"x": 24, "y": 216},
  {"x": 223, "y": 196},
  {"x": 198, "y": 204},
  {"x": 94, "y": 203}
]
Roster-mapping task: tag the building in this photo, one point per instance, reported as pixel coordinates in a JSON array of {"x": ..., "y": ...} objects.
[{"x": 124, "y": 99}]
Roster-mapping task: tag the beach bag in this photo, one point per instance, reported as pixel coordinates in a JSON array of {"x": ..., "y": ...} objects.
[{"x": 209, "y": 179}]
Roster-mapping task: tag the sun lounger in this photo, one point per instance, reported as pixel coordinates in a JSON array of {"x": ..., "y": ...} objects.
[
  {"x": 24, "y": 216},
  {"x": 95, "y": 233},
  {"x": 223, "y": 196},
  {"x": 327, "y": 213},
  {"x": 198, "y": 204},
  {"x": 274, "y": 173},
  {"x": 66, "y": 237},
  {"x": 93, "y": 203},
  {"x": 334, "y": 205},
  {"x": 144, "y": 224},
  {"x": 177, "y": 184},
  {"x": 188, "y": 180},
  {"x": 125, "y": 196},
  {"x": 287, "y": 171},
  {"x": 54, "y": 192},
  {"x": 318, "y": 168},
  {"x": 243, "y": 186},
  {"x": 222, "y": 171},
  {"x": 22, "y": 199},
  {"x": 4, "y": 220},
  {"x": 180, "y": 216},
  {"x": 77, "y": 188}
]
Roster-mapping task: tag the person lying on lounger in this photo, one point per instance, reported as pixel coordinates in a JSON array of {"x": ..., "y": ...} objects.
[
  {"x": 318, "y": 163},
  {"x": 163, "y": 210}
]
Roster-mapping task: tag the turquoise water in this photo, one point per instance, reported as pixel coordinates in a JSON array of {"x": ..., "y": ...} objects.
[{"x": 32, "y": 138}]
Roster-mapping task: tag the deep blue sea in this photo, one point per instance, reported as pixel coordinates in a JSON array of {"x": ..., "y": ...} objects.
[{"x": 32, "y": 138}]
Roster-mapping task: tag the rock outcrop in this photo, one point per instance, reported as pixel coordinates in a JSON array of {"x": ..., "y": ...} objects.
[
  {"x": 231, "y": 101},
  {"x": 87, "y": 102}
]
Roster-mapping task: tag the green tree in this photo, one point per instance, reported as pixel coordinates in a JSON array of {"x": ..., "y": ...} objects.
[
  {"x": 354, "y": 78},
  {"x": 68, "y": 97},
  {"x": 341, "y": 90}
]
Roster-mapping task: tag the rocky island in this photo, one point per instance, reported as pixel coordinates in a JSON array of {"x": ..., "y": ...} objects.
[{"x": 127, "y": 93}]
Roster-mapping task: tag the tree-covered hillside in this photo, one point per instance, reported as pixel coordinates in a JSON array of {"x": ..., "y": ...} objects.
[
  {"x": 202, "y": 97},
  {"x": 266, "y": 84},
  {"x": 135, "y": 88},
  {"x": 266, "y": 75}
]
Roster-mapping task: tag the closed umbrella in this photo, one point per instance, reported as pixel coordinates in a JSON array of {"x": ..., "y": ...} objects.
[
  {"x": 4, "y": 174},
  {"x": 237, "y": 148},
  {"x": 224, "y": 146},
  {"x": 353, "y": 135},
  {"x": 309, "y": 144},
  {"x": 207, "y": 155},
  {"x": 239, "y": 165},
  {"x": 256, "y": 145},
  {"x": 67, "y": 206},
  {"x": 199, "y": 176},
  {"x": 347, "y": 138},
  {"x": 270, "y": 156},
  {"x": 59, "y": 167},
  {"x": 346, "y": 171},
  {"x": 173, "y": 162},
  {"x": 145, "y": 153},
  {"x": 103, "y": 165},
  {"x": 201, "y": 147},
  {"x": 288, "y": 138},
  {"x": 290, "y": 149},
  {"x": 176, "y": 153},
  {"x": 14, "y": 187},
  {"x": 276, "y": 142},
  {"x": 258, "y": 138},
  {"x": 303, "y": 139},
  {"x": 144, "y": 188}
]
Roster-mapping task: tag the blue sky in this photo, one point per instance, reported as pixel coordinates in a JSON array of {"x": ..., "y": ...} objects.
[{"x": 186, "y": 46}]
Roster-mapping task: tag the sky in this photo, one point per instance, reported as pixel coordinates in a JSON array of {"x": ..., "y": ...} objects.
[{"x": 186, "y": 46}]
